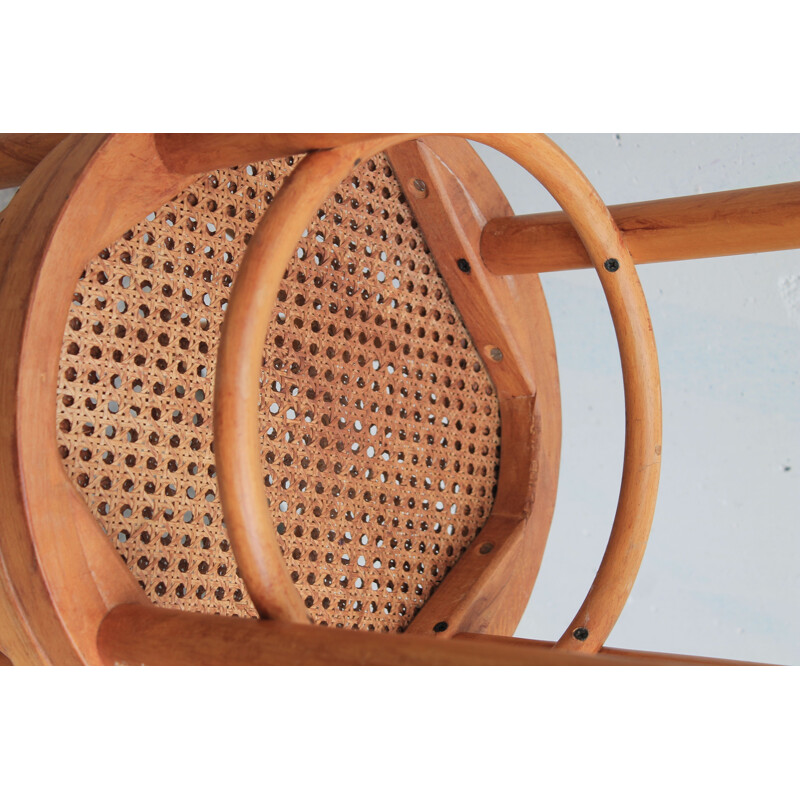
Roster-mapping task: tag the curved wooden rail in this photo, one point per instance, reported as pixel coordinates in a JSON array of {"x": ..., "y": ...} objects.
[
  {"x": 237, "y": 389},
  {"x": 642, "y": 460},
  {"x": 249, "y": 522},
  {"x": 195, "y": 152}
]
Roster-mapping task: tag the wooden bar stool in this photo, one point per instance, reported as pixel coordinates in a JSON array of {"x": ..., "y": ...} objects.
[{"x": 305, "y": 410}]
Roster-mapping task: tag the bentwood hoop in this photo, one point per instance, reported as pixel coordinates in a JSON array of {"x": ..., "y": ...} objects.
[{"x": 248, "y": 518}]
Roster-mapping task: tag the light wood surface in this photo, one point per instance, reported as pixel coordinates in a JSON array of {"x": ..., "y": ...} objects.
[
  {"x": 76, "y": 205},
  {"x": 21, "y": 152},
  {"x": 637, "y": 657},
  {"x": 154, "y": 636},
  {"x": 489, "y": 587},
  {"x": 59, "y": 574},
  {"x": 642, "y": 457},
  {"x": 700, "y": 226},
  {"x": 237, "y": 389},
  {"x": 249, "y": 523},
  {"x": 189, "y": 153}
]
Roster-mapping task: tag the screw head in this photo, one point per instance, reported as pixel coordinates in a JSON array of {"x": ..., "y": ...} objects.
[
  {"x": 439, "y": 627},
  {"x": 581, "y": 634},
  {"x": 463, "y": 265},
  {"x": 612, "y": 265},
  {"x": 420, "y": 185},
  {"x": 496, "y": 354},
  {"x": 486, "y": 547}
]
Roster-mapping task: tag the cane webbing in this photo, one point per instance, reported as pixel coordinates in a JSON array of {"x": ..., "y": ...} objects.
[{"x": 379, "y": 424}]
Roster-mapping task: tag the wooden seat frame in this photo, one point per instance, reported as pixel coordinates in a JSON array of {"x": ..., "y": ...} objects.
[{"x": 65, "y": 595}]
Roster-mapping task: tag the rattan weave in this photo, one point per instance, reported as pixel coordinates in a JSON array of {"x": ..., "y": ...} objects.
[{"x": 380, "y": 426}]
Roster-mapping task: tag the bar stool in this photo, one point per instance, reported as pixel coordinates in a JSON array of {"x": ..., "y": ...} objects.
[{"x": 375, "y": 477}]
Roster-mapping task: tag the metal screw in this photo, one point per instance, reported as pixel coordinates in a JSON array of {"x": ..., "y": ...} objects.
[
  {"x": 496, "y": 353},
  {"x": 420, "y": 185},
  {"x": 463, "y": 265},
  {"x": 612, "y": 265},
  {"x": 581, "y": 634},
  {"x": 486, "y": 547},
  {"x": 439, "y": 627}
]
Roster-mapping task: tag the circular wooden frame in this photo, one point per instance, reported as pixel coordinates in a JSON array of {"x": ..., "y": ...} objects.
[
  {"x": 59, "y": 575},
  {"x": 247, "y": 513}
]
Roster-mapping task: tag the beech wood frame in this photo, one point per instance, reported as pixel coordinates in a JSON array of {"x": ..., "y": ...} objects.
[
  {"x": 58, "y": 591},
  {"x": 755, "y": 220},
  {"x": 250, "y": 526}
]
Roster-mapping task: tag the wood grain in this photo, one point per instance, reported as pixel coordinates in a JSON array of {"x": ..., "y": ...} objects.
[
  {"x": 489, "y": 588},
  {"x": 60, "y": 575},
  {"x": 189, "y": 153},
  {"x": 637, "y": 657},
  {"x": 21, "y": 152},
  {"x": 155, "y": 636},
  {"x": 58, "y": 571},
  {"x": 642, "y": 457},
  {"x": 237, "y": 387},
  {"x": 247, "y": 515},
  {"x": 250, "y": 525},
  {"x": 753, "y": 220}
]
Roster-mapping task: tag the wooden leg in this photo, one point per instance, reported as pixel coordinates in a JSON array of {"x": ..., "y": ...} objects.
[
  {"x": 719, "y": 224},
  {"x": 631, "y": 657},
  {"x": 135, "y": 634}
]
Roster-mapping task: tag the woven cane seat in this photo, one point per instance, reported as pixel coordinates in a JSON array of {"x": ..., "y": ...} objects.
[
  {"x": 379, "y": 423},
  {"x": 362, "y": 480}
]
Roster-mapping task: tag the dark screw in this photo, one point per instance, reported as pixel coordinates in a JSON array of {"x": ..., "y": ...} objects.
[
  {"x": 496, "y": 353},
  {"x": 439, "y": 627},
  {"x": 612, "y": 265},
  {"x": 486, "y": 547},
  {"x": 420, "y": 185},
  {"x": 463, "y": 265},
  {"x": 581, "y": 634}
]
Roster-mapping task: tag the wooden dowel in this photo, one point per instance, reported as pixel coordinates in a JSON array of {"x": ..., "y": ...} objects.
[
  {"x": 181, "y": 152},
  {"x": 21, "y": 152},
  {"x": 640, "y": 657},
  {"x": 136, "y": 634},
  {"x": 701, "y": 226},
  {"x": 197, "y": 152}
]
